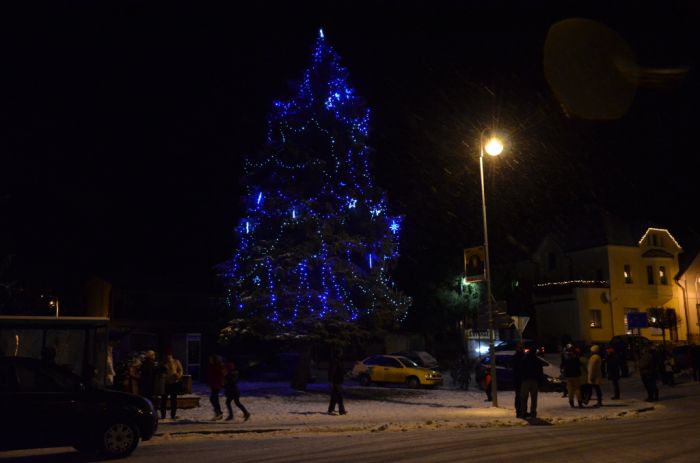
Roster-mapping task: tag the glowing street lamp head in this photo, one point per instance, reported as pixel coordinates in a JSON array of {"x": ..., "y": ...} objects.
[{"x": 493, "y": 147}]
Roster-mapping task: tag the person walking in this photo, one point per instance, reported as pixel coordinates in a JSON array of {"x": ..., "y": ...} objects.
[
  {"x": 595, "y": 373},
  {"x": 571, "y": 369},
  {"x": 232, "y": 392},
  {"x": 532, "y": 377},
  {"x": 487, "y": 384},
  {"x": 613, "y": 370},
  {"x": 215, "y": 380},
  {"x": 648, "y": 371},
  {"x": 669, "y": 365},
  {"x": 517, "y": 378},
  {"x": 172, "y": 378},
  {"x": 336, "y": 375}
]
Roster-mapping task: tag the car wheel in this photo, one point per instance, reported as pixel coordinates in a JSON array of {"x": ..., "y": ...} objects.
[
  {"x": 119, "y": 439},
  {"x": 365, "y": 380},
  {"x": 412, "y": 382}
]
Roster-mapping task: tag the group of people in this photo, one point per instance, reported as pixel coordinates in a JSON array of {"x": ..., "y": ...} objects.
[
  {"x": 150, "y": 379},
  {"x": 224, "y": 376},
  {"x": 584, "y": 375}
]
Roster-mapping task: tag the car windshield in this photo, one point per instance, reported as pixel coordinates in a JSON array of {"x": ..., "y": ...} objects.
[{"x": 408, "y": 363}]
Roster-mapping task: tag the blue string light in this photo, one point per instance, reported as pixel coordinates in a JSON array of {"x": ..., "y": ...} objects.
[{"x": 292, "y": 269}]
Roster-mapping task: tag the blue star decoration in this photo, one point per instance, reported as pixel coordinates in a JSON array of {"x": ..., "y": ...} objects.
[
  {"x": 394, "y": 227},
  {"x": 256, "y": 280}
]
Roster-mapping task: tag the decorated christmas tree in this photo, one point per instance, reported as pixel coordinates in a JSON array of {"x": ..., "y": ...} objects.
[{"x": 317, "y": 241}]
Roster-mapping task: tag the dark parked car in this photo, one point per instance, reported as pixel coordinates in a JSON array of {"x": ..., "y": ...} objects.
[
  {"x": 681, "y": 356},
  {"x": 504, "y": 372},
  {"x": 45, "y": 406},
  {"x": 512, "y": 343}
]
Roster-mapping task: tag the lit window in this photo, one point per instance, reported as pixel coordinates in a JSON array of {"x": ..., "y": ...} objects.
[
  {"x": 662, "y": 275},
  {"x": 596, "y": 319},
  {"x": 628, "y": 274},
  {"x": 629, "y": 330}
]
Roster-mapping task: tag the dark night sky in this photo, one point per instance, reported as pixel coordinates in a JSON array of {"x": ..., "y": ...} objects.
[{"x": 124, "y": 125}]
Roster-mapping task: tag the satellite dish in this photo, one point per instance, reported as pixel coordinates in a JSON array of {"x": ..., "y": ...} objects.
[{"x": 604, "y": 297}]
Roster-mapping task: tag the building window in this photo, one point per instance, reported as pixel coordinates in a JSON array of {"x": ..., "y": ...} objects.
[
  {"x": 551, "y": 261},
  {"x": 599, "y": 274},
  {"x": 662, "y": 275},
  {"x": 629, "y": 330},
  {"x": 596, "y": 319},
  {"x": 650, "y": 274},
  {"x": 653, "y": 239},
  {"x": 628, "y": 274}
]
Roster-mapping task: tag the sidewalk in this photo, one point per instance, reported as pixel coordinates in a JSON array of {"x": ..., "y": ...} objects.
[{"x": 277, "y": 408}]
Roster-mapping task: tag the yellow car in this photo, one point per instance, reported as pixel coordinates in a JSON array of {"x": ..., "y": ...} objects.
[{"x": 394, "y": 369}]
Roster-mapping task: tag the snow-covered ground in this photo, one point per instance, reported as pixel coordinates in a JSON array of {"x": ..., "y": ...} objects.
[{"x": 274, "y": 406}]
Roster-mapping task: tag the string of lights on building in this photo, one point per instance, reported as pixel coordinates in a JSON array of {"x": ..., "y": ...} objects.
[{"x": 596, "y": 283}]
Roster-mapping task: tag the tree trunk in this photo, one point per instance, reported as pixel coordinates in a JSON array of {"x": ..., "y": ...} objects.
[{"x": 301, "y": 375}]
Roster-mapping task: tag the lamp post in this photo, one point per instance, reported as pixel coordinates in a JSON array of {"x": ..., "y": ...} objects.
[
  {"x": 53, "y": 303},
  {"x": 493, "y": 147}
]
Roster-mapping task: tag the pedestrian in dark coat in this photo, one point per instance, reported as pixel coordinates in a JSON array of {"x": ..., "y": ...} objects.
[
  {"x": 648, "y": 371},
  {"x": 571, "y": 369},
  {"x": 215, "y": 380},
  {"x": 532, "y": 376},
  {"x": 147, "y": 378},
  {"x": 517, "y": 378},
  {"x": 695, "y": 361},
  {"x": 613, "y": 370},
  {"x": 232, "y": 392},
  {"x": 336, "y": 374},
  {"x": 668, "y": 369}
]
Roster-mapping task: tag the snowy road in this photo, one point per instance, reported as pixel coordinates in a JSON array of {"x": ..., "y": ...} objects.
[{"x": 668, "y": 434}]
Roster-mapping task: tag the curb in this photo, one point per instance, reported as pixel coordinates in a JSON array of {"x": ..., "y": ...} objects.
[{"x": 220, "y": 431}]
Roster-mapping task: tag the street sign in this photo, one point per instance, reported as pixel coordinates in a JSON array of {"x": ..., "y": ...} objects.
[
  {"x": 474, "y": 259},
  {"x": 637, "y": 320}
]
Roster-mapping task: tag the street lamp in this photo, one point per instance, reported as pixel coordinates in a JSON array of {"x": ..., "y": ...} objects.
[
  {"x": 53, "y": 303},
  {"x": 493, "y": 147}
]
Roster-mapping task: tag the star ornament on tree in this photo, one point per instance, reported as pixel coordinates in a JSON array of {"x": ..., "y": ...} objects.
[{"x": 394, "y": 227}]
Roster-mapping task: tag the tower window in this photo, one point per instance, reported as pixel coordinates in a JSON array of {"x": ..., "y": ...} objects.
[{"x": 628, "y": 274}]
